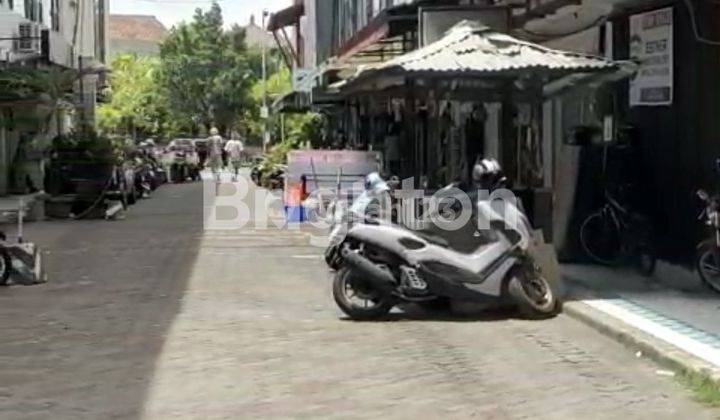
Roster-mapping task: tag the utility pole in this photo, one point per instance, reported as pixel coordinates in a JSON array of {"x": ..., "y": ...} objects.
[{"x": 264, "y": 113}]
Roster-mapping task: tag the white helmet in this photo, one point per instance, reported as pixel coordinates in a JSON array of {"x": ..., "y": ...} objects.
[
  {"x": 486, "y": 171},
  {"x": 375, "y": 183}
]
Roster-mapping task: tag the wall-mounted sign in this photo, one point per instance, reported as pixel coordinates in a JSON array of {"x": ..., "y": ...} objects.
[
  {"x": 303, "y": 80},
  {"x": 651, "y": 45}
]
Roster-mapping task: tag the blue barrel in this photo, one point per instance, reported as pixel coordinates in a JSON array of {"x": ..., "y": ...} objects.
[{"x": 295, "y": 214}]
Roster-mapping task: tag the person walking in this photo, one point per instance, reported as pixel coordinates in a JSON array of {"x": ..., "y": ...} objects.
[
  {"x": 234, "y": 149},
  {"x": 215, "y": 146}
]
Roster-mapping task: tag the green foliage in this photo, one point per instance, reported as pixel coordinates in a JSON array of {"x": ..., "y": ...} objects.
[
  {"x": 135, "y": 101},
  {"x": 84, "y": 147},
  {"x": 274, "y": 61},
  {"x": 277, "y": 85},
  {"x": 205, "y": 75},
  {"x": 298, "y": 128},
  {"x": 49, "y": 84},
  {"x": 704, "y": 389},
  {"x": 205, "y": 71}
]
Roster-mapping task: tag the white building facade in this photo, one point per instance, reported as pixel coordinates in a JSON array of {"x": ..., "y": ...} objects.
[{"x": 65, "y": 34}]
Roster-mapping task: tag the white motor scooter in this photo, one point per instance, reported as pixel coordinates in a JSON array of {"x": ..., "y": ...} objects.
[{"x": 379, "y": 265}]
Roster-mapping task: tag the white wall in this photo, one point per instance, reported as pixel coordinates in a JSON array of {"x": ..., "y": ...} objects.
[{"x": 61, "y": 42}]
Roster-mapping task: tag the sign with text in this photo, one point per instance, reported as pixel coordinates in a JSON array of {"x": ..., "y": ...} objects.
[{"x": 651, "y": 45}]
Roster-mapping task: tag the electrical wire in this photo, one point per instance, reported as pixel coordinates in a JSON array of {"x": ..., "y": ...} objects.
[
  {"x": 694, "y": 23},
  {"x": 549, "y": 36}
]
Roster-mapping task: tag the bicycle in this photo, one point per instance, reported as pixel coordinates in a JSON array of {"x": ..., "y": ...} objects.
[
  {"x": 615, "y": 235},
  {"x": 707, "y": 261}
]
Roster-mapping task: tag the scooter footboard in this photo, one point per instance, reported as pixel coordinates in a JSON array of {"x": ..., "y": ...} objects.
[{"x": 449, "y": 286}]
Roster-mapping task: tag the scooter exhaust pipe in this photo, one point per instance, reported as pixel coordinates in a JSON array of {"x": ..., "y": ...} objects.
[{"x": 379, "y": 278}]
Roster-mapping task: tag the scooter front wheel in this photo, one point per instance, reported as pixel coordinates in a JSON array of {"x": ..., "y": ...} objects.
[
  {"x": 536, "y": 297},
  {"x": 356, "y": 297},
  {"x": 5, "y": 266}
]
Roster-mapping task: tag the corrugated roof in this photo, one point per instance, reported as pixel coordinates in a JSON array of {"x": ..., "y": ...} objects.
[
  {"x": 136, "y": 28},
  {"x": 471, "y": 48}
]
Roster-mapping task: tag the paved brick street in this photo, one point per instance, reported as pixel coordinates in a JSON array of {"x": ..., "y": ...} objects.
[{"x": 150, "y": 318}]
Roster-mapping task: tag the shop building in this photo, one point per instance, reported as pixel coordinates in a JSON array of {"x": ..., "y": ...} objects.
[
  {"x": 435, "y": 132},
  {"x": 667, "y": 111}
]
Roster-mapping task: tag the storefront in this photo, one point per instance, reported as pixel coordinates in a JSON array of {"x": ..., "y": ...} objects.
[
  {"x": 668, "y": 112},
  {"x": 674, "y": 108},
  {"x": 475, "y": 93}
]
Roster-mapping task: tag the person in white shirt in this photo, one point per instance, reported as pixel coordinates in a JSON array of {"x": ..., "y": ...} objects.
[
  {"x": 235, "y": 149},
  {"x": 215, "y": 147}
]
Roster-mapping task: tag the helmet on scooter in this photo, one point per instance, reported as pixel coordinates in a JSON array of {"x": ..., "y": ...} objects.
[
  {"x": 487, "y": 173},
  {"x": 375, "y": 183}
]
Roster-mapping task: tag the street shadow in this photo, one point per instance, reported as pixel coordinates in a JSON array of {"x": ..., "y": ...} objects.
[
  {"x": 85, "y": 345},
  {"x": 414, "y": 313}
]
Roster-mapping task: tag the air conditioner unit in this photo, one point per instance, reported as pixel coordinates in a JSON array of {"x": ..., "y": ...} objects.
[{"x": 28, "y": 38}]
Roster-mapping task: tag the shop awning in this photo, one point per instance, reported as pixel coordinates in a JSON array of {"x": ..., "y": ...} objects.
[
  {"x": 292, "y": 102},
  {"x": 470, "y": 50},
  {"x": 285, "y": 17},
  {"x": 382, "y": 36}
]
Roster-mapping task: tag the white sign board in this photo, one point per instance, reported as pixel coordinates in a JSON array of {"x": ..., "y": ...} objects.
[
  {"x": 651, "y": 45},
  {"x": 303, "y": 80}
]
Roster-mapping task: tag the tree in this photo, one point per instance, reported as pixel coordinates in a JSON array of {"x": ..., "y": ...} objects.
[
  {"x": 136, "y": 104},
  {"x": 205, "y": 71},
  {"x": 296, "y": 128}
]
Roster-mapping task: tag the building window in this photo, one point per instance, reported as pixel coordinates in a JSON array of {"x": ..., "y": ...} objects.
[
  {"x": 100, "y": 30},
  {"x": 26, "y": 37},
  {"x": 55, "y": 15},
  {"x": 32, "y": 10}
]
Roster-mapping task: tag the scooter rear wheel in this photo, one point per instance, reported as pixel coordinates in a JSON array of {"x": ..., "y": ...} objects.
[{"x": 357, "y": 299}]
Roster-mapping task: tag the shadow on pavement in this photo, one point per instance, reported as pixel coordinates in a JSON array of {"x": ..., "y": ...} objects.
[
  {"x": 412, "y": 313},
  {"x": 85, "y": 344}
]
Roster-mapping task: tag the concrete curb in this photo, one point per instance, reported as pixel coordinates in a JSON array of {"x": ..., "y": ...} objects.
[{"x": 659, "y": 351}]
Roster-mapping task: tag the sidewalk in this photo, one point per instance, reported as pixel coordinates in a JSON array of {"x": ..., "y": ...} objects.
[
  {"x": 10, "y": 204},
  {"x": 672, "y": 311}
]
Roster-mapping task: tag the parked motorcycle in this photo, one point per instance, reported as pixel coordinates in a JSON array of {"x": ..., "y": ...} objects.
[
  {"x": 380, "y": 264},
  {"x": 145, "y": 179},
  {"x": 179, "y": 168}
]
